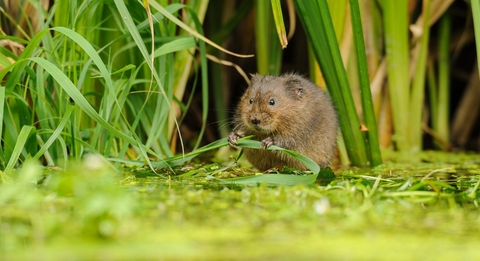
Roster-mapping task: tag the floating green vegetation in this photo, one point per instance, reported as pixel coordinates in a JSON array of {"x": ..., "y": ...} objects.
[{"x": 90, "y": 211}]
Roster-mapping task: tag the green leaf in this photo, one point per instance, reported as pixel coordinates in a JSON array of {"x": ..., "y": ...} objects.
[
  {"x": 443, "y": 121},
  {"x": 310, "y": 164},
  {"x": 269, "y": 52},
  {"x": 56, "y": 133},
  {"x": 182, "y": 43},
  {"x": 272, "y": 179},
  {"x": 4, "y": 60},
  {"x": 19, "y": 146},
  {"x": 366, "y": 95},
  {"x": 418, "y": 85},
  {"x": 279, "y": 23},
  {"x": 475, "y": 5},
  {"x": 2, "y": 111},
  {"x": 317, "y": 23},
  {"x": 395, "y": 22}
]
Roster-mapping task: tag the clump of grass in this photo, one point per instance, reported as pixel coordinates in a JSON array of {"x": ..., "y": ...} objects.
[{"x": 69, "y": 92}]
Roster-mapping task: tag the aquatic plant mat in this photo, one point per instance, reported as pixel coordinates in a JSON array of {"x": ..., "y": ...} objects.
[{"x": 426, "y": 210}]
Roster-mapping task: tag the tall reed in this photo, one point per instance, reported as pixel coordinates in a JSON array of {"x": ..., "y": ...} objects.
[{"x": 316, "y": 19}]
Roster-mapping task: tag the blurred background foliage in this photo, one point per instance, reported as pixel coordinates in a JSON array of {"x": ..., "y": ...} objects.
[{"x": 78, "y": 77}]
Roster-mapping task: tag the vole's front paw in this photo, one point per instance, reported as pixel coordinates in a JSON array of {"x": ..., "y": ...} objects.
[
  {"x": 232, "y": 138},
  {"x": 266, "y": 143}
]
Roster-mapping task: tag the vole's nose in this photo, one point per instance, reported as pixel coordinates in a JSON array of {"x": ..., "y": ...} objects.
[{"x": 255, "y": 121}]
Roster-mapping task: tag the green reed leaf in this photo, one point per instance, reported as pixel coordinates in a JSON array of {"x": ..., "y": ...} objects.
[
  {"x": 316, "y": 20},
  {"x": 19, "y": 146}
]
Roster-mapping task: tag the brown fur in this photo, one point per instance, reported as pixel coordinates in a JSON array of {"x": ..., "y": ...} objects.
[{"x": 302, "y": 119}]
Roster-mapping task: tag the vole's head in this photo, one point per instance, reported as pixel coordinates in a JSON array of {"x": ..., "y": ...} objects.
[{"x": 271, "y": 103}]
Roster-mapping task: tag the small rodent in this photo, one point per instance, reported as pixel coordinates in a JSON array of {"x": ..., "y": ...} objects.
[{"x": 288, "y": 111}]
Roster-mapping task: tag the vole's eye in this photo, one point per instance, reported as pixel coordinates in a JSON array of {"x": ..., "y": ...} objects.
[
  {"x": 271, "y": 102},
  {"x": 251, "y": 100}
]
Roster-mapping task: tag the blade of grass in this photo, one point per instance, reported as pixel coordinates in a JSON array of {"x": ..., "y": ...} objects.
[
  {"x": 366, "y": 95},
  {"x": 418, "y": 86},
  {"x": 279, "y": 23},
  {"x": 310, "y": 164},
  {"x": 433, "y": 94},
  {"x": 442, "y": 128},
  {"x": 317, "y": 23},
  {"x": 56, "y": 133},
  {"x": 222, "y": 33},
  {"x": 475, "y": 6},
  {"x": 338, "y": 12},
  {"x": 268, "y": 51},
  {"x": 19, "y": 146},
  {"x": 271, "y": 179},
  {"x": 18, "y": 68},
  {"x": 395, "y": 22},
  {"x": 204, "y": 77},
  {"x": 373, "y": 35},
  {"x": 178, "y": 44},
  {"x": 2, "y": 111},
  {"x": 184, "y": 61},
  {"x": 185, "y": 27}
]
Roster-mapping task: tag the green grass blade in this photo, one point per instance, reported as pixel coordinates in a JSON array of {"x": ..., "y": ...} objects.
[
  {"x": 272, "y": 179},
  {"x": 224, "y": 31},
  {"x": 433, "y": 94},
  {"x": 317, "y": 23},
  {"x": 475, "y": 5},
  {"x": 19, "y": 146},
  {"x": 185, "y": 27},
  {"x": 18, "y": 68},
  {"x": 268, "y": 50},
  {"x": 366, "y": 95},
  {"x": 277, "y": 179},
  {"x": 310, "y": 164},
  {"x": 128, "y": 21},
  {"x": 56, "y": 133},
  {"x": 2, "y": 111},
  {"x": 4, "y": 61},
  {"x": 395, "y": 21},
  {"x": 338, "y": 12},
  {"x": 418, "y": 85},
  {"x": 204, "y": 76},
  {"x": 442, "y": 128},
  {"x": 179, "y": 44},
  {"x": 279, "y": 23}
]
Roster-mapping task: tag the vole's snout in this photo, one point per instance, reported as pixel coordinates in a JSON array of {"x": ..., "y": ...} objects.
[{"x": 255, "y": 121}]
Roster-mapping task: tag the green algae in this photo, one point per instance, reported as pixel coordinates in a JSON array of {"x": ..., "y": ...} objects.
[{"x": 424, "y": 210}]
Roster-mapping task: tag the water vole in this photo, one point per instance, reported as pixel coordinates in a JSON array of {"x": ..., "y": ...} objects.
[{"x": 288, "y": 111}]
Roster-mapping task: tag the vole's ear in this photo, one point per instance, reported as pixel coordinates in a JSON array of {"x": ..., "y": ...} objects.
[
  {"x": 294, "y": 85},
  {"x": 254, "y": 77}
]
